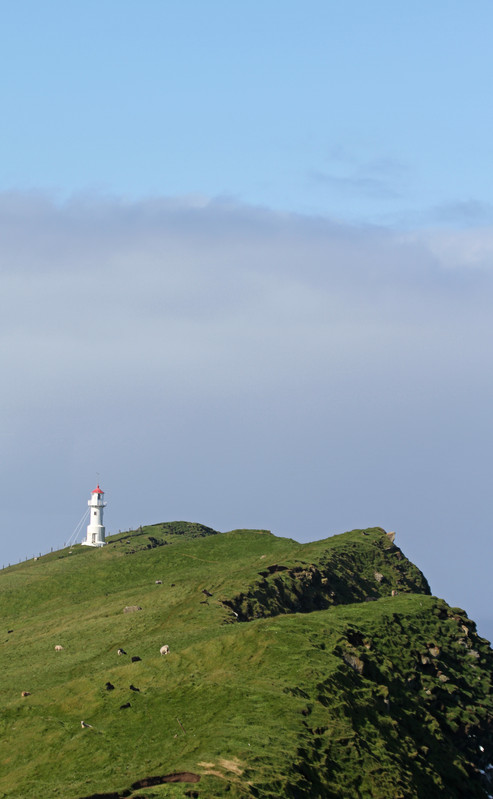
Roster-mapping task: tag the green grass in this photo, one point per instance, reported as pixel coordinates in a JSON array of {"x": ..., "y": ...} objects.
[{"x": 334, "y": 702}]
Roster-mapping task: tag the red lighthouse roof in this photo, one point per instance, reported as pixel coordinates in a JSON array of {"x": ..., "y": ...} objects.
[{"x": 98, "y": 490}]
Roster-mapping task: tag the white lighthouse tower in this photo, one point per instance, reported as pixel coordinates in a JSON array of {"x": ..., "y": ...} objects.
[{"x": 95, "y": 529}]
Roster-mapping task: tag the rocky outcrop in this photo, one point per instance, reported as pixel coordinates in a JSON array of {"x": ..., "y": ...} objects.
[{"x": 352, "y": 573}]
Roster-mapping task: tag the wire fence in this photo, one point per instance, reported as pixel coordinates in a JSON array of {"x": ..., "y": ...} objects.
[{"x": 70, "y": 543}]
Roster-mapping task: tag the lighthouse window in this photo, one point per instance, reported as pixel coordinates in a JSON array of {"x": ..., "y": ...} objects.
[{"x": 94, "y": 513}]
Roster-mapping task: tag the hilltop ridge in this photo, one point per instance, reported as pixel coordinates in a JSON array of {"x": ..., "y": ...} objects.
[{"x": 324, "y": 669}]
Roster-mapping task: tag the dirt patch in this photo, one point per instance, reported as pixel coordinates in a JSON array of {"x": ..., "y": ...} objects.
[
  {"x": 211, "y": 769},
  {"x": 231, "y": 765}
]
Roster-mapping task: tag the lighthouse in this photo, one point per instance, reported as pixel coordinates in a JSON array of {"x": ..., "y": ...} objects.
[{"x": 95, "y": 529}]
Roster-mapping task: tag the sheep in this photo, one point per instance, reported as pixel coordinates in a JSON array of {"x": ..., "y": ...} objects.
[
  {"x": 164, "y": 650},
  {"x": 58, "y": 648},
  {"x": 121, "y": 652},
  {"x": 26, "y": 693}
]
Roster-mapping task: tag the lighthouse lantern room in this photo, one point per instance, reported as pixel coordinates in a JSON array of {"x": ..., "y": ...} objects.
[{"x": 95, "y": 529}]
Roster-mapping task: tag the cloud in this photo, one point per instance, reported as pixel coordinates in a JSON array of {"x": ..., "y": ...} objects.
[
  {"x": 464, "y": 212},
  {"x": 462, "y": 250},
  {"x": 243, "y": 367},
  {"x": 157, "y": 287},
  {"x": 350, "y": 176},
  {"x": 356, "y": 184}
]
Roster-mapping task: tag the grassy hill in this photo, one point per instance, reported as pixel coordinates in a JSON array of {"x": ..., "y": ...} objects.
[{"x": 295, "y": 670}]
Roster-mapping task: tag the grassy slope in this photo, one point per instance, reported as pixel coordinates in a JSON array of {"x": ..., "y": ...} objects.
[{"x": 345, "y": 701}]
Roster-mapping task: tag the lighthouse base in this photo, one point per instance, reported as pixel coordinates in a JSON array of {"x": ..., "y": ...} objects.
[{"x": 95, "y": 536}]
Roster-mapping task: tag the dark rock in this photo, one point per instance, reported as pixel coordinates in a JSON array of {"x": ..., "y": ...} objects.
[{"x": 354, "y": 662}]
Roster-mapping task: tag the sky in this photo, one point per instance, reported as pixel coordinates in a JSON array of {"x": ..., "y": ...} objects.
[{"x": 246, "y": 273}]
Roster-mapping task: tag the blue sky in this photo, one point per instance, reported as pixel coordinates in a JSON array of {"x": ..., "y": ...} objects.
[
  {"x": 376, "y": 111},
  {"x": 246, "y": 273}
]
